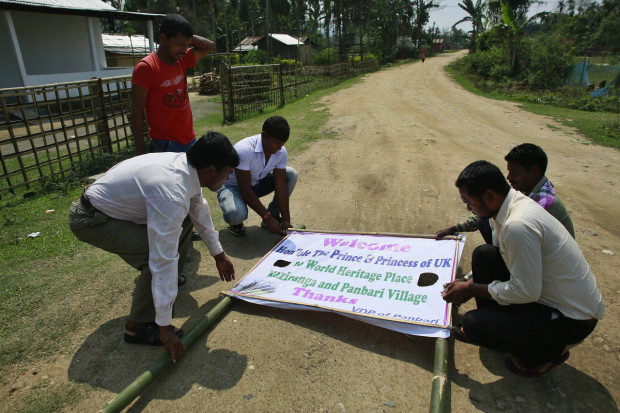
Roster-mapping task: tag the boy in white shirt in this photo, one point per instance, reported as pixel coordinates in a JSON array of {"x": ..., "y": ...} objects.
[{"x": 262, "y": 170}]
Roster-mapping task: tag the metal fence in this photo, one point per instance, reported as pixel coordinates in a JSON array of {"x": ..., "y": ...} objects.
[
  {"x": 249, "y": 90},
  {"x": 48, "y": 130}
]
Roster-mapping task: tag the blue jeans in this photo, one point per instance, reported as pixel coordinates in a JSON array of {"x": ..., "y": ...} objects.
[
  {"x": 164, "y": 145},
  {"x": 234, "y": 207}
]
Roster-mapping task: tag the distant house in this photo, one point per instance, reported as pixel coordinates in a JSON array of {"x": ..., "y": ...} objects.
[
  {"x": 438, "y": 45},
  {"x": 283, "y": 45},
  {"x": 247, "y": 44},
  {"x": 53, "y": 41},
  {"x": 122, "y": 50}
]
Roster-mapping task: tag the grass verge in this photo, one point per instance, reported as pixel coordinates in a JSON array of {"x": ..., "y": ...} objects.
[
  {"x": 602, "y": 128},
  {"x": 55, "y": 290}
]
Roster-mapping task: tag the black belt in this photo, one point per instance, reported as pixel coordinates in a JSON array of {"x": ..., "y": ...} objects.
[{"x": 85, "y": 201}]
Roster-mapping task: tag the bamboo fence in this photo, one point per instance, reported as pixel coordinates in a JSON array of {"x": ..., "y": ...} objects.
[
  {"x": 49, "y": 130},
  {"x": 249, "y": 90}
]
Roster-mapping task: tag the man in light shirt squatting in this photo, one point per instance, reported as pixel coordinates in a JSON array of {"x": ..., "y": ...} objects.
[{"x": 535, "y": 293}]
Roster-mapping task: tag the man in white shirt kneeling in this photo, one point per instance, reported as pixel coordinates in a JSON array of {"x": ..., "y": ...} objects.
[
  {"x": 535, "y": 293},
  {"x": 262, "y": 170}
]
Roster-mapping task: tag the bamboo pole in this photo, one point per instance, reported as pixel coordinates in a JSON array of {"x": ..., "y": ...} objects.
[
  {"x": 440, "y": 379},
  {"x": 124, "y": 398}
]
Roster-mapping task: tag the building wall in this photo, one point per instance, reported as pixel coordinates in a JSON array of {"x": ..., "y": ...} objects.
[
  {"x": 49, "y": 42},
  {"x": 122, "y": 60},
  {"x": 9, "y": 69},
  {"x": 53, "y": 48}
]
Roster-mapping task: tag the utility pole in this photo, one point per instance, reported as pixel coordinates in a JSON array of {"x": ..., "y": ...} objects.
[{"x": 267, "y": 7}]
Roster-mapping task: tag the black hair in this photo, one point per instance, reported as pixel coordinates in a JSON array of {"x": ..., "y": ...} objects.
[
  {"x": 214, "y": 149},
  {"x": 277, "y": 127},
  {"x": 175, "y": 23},
  {"x": 480, "y": 176},
  {"x": 528, "y": 155}
]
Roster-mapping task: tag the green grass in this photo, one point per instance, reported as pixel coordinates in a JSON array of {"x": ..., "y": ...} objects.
[
  {"x": 51, "y": 164},
  {"x": 602, "y": 128},
  {"x": 54, "y": 288}
]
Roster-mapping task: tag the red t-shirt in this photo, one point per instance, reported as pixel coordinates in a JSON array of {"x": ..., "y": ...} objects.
[{"x": 168, "y": 112}]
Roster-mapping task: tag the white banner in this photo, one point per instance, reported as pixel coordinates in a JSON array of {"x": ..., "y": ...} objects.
[{"x": 391, "y": 281}]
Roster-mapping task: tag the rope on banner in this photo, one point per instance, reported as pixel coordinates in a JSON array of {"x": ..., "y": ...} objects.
[{"x": 124, "y": 398}]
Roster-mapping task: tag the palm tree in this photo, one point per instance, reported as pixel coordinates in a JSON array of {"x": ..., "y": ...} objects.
[
  {"x": 516, "y": 23},
  {"x": 422, "y": 16},
  {"x": 476, "y": 15}
]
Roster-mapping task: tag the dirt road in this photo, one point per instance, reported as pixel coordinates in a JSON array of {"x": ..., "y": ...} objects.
[{"x": 403, "y": 135}]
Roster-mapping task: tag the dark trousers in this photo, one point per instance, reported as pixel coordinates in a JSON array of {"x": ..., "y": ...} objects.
[{"x": 534, "y": 333}]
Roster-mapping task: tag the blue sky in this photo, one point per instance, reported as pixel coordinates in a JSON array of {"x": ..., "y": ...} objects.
[{"x": 450, "y": 13}]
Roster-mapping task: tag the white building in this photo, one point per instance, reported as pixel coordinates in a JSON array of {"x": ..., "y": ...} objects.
[{"x": 54, "y": 41}]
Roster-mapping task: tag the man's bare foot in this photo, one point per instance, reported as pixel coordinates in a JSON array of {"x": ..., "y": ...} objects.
[{"x": 516, "y": 366}]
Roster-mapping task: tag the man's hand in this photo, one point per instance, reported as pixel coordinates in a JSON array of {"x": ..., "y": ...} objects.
[
  {"x": 224, "y": 267},
  {"x": 458, "y": 292},
  {"x": 172, "y": 343},
  {"x": 284, "y": 225},
  {"x": 273, "y": 225},
  {"x": 445, "y": 232}
]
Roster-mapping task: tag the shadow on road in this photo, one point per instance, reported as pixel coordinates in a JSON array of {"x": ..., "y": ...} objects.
[
  {"x": 563, "y": 389},
  {"x": 105, "y": 361}
]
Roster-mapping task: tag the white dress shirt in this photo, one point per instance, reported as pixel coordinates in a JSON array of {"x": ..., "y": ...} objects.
[
  {"x": 159, "y": 190},
  {"x": 545, "y": 262},
  {"x": 252, "y": 158}
]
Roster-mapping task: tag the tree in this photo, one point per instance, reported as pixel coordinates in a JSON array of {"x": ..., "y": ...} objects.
[
  {"x": 476, "y": 16},
  {"x": 516, "y": 23},
  {"x": 422, "y": 15}
]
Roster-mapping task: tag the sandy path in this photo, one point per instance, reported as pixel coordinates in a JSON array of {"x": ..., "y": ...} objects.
[{"x": 403, "y": 135}]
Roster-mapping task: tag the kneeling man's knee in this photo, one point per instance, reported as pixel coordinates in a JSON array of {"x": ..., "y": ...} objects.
[{"x": 235, "y": 217}]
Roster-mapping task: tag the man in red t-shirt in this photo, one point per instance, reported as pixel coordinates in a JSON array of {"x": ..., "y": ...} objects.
[{"x": 159, "y": 85}]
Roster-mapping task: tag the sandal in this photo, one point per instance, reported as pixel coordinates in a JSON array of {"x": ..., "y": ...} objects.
[
  {"x": 147, "y": 334},
  {"x": 182, "y": 279},
  {"x": 533, "y": 371}
]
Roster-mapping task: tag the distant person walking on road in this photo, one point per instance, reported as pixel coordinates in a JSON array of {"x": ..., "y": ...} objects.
[{"x": 423, "y": 54}]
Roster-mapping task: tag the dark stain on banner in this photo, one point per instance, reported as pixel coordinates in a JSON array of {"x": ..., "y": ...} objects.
[
  {"x": 427, "y": 278},
  {"x": 281, "y": 263}
]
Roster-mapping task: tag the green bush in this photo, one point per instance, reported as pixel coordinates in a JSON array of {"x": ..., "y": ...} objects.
[
  {"x": 491, "y": 63},
  {"x": 367, "y": 57},
  {"x": 325, "y": 57},
  {"x": 405, "y": 48},
  {"x": 540, "y": 64},
  {"x": 254, "y": 57},
  {"x": 549, "y": 61},
  {"x": 287, "y": 63}
]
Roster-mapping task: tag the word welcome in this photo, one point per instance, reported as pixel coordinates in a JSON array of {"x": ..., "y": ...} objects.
[{"x": 332, "y": 242}]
